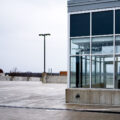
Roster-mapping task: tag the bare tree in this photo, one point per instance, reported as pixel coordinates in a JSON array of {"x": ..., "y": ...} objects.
[{"x": 14, "y": 70}]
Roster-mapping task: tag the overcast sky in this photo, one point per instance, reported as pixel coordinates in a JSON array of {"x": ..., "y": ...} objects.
[{"x": 20, "y": 23}]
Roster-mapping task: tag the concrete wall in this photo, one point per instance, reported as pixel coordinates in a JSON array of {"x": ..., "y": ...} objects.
[
  {"x": 56, "y": 79},
  {"x": 93, "y": 96},
  {"x": 25, "y": 78},
  {"x": 49, "y": 79},
  {"x": 4, "y": 78},
  {"x": 9, "y": 78}
]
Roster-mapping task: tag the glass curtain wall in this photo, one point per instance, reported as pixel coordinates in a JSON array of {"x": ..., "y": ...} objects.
[
  {"x": 102, "y": 71},
  {"x": 95, "y": 49},
  {"x": 80, "y": 72}
]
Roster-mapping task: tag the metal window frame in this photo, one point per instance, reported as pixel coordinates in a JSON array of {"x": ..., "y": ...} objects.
[
  {"x": 90, "y": 50},
  {"x": 69, "y": 57},
  {"x": 114, "y": 51}
]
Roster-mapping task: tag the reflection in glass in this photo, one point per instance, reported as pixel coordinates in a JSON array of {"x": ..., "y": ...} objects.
[
  {"x": 73, "y": 72},
  {"x": 102, "y": 23},
  {"x": 117, "y": 21},
  {"x": 117, "y": 44},
  {"x": 80, "y": 25},
  {"x": 117, "y": 72},
  {"x": 97, "y": 71},
  {"x": 102, "y": 72},
  {"x": 80, "y": 72},
  {"x": 80, "y": 46},
  {"x": 102, "y": 45}
]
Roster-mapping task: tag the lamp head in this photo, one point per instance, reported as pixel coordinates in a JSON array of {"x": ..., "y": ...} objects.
[{"x": 47, "y": 34}]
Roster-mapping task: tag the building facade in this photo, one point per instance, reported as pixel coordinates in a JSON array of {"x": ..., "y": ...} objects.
[{"x": 94, "y": 51}]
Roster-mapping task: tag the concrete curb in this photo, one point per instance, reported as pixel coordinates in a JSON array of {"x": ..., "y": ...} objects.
[{"x": 75, "y": 110}]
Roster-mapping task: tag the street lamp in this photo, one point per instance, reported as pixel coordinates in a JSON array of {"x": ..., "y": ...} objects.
[{"x": 44, "y": 35}]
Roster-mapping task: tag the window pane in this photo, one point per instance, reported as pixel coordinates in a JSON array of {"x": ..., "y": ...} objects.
[
  {"x": 102, "y": 72},
  {"x": 117, "y": 44},
  {"x": 117, "y": 22},
  {"x": 102, "y": 23},
  {"x": 80, "y": 25},
  {"x": 102, "y": 45},
  {"x": 80, "y": 46},
  {"x": 117, "y": 72},
  {"x": 73, "y": 72},
  {"x": 80, "y": 72}
]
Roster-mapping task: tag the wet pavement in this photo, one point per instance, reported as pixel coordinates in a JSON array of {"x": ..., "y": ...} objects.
[
  {"x": 32, "y": 94},
  {"x": 20, "y": 100}
]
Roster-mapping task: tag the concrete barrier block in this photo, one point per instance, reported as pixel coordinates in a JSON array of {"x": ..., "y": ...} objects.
[
  {"x": 93, "y": 96},
  {"x": 84, "y": 97},
  {"x": 34, "y": 79},
  {"x": 102, "y": 98},
  {"x": 106, "y": 97},
  {"x": 56, "y": 79},
  {"x": 116, "y": 98},
  {"x": 69, "y": 96},
  {"x": 77, "y": 96}
]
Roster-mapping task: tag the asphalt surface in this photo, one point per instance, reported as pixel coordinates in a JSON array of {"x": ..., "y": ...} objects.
[{"x": 36, "y": 101}]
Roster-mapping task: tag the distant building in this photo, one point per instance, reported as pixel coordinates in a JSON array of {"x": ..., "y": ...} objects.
[
  {"x": 94, "y": 54},
  {"x": 1, "y": 71}
]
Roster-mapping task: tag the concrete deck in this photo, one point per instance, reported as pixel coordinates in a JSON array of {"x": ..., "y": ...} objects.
[{"x": 22, "y": 100}]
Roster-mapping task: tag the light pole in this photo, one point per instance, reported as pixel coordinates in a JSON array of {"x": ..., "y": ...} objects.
[{"x": 44, "y": 35}]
